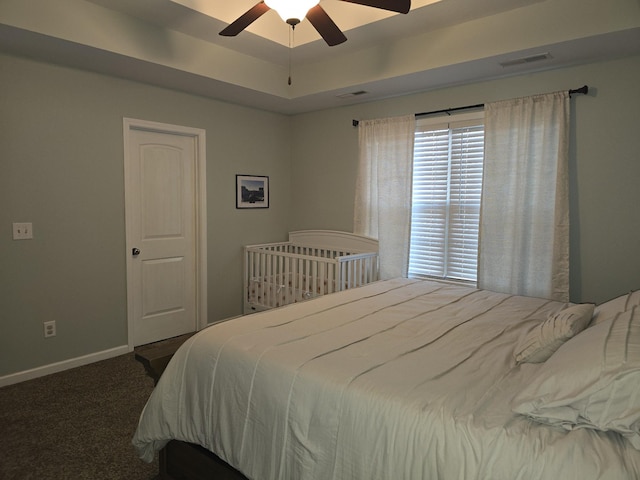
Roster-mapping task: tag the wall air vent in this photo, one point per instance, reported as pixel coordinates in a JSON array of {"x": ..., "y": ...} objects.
[
  {"x": 529, "y": 59},
  {"x": 352, "y": 94}
]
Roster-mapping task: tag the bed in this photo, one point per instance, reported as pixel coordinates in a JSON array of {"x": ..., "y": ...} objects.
[
  {"x": 311, "y": 263},
  {"x": 407, "y": 379}
]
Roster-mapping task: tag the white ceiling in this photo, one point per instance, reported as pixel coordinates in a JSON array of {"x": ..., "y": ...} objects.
[{"x": 175, "y": 44}]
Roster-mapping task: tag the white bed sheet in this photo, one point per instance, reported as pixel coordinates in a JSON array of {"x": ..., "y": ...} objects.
[{"x": 399, "y": 379}]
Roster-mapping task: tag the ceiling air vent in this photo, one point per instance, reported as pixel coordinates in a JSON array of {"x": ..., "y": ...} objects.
[
  {"x": 352, "y": 94},
  {"x": 531, "y": 58}
]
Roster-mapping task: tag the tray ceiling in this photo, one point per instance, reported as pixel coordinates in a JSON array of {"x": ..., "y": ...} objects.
[{"x": 175, "y": 44}]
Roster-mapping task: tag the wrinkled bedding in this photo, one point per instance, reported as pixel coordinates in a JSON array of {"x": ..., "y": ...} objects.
[{"x": 399, "y": 379}]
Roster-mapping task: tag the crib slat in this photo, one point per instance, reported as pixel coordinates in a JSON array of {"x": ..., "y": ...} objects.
[
  {"x": 285, "y": 280},
  {"x": 322, "y": 277},
  {"x": 315, "y": 288},
  {"x": 299, "y": 279},
  {"x": 281, "y": 281},
  {"x": 261, "y": 292},
  {"x": 306, "y": 278},
  {"x": 294, "y": 278},
  {"x": 273, "y": 298},
  {"x": 267, "y": 281},
  {"x": 254, "y": 269}
]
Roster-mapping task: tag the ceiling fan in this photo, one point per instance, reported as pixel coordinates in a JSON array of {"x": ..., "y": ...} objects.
[{"x": 294, "y": 11}]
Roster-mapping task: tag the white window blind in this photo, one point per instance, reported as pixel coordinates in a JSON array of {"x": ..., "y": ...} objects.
[{"x": 447, "y": 186}]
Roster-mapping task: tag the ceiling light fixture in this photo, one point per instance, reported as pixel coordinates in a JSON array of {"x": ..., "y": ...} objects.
[{"x": 292, "y": 11}]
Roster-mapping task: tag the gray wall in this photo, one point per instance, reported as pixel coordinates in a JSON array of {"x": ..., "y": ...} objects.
[
  {"x": 61, "y": 167},
  {"x": 604, "y": 165}
]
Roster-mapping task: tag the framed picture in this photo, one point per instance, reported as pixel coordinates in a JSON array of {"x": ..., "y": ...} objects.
[{"x": 252, "y": 191}]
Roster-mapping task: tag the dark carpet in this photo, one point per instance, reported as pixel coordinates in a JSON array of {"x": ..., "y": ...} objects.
[{"x": 76, "y": 424}]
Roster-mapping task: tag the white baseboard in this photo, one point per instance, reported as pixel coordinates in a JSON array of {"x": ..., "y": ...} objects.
[{"x": 61, "y": 366}]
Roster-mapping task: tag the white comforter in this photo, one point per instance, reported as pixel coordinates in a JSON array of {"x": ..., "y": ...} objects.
[{"x": 399, "y": 379}]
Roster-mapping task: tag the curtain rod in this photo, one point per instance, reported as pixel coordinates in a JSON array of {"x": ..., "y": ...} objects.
[{"x": 584, "y": 90}]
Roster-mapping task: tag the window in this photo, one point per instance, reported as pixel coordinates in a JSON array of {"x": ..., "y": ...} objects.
[{"x": 447, "y": 186}]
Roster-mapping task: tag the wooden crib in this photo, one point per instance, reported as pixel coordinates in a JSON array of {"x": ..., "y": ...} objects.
[{"x": 310, "y": 264}]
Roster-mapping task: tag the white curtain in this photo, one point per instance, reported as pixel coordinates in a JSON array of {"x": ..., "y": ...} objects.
[
  {"x": 382, "y": 207},
  {"x": 524, "y": 224}
]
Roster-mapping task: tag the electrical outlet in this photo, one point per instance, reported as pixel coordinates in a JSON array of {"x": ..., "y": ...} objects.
[
  {"x": 50, "y": 329},
  {"x": 22, "y": 231}
]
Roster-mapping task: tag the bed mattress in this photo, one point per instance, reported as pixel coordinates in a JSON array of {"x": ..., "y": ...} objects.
[{"x": 399, "y": 379}]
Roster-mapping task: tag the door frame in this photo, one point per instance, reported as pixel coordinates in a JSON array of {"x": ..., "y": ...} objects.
[{"x": 200, "y": 196}]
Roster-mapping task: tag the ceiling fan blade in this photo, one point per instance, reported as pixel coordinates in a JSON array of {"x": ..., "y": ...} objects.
[
  {"x": 400, "y": 6},
  {"x": 245, "y": 20},
  {"x": 327, "y": 29}
]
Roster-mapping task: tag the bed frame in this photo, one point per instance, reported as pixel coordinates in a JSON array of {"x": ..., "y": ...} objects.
[
  {"x": 186, "y": 461},
  {"x": 311, "y": 264}
]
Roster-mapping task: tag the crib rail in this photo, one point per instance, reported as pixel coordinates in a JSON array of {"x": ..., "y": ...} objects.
[{"x": 278, "y": 274}]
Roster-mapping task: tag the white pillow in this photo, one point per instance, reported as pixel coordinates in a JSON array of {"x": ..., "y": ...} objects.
[
  {"x": 592, "y": 381},
  {"x": 610, "y": 309},
  {"x": 540, "y": 343}
]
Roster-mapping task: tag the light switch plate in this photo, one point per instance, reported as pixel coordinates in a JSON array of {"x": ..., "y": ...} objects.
[{"x": 22, "y": 231}]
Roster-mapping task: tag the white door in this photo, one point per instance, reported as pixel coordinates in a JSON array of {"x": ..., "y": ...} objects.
[{"x": 163, "y": 255}]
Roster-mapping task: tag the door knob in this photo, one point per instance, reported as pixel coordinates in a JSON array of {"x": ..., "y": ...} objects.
[{"x": 135, "y": 251}]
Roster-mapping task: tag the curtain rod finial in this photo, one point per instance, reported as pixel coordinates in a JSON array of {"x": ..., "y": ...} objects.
[
  {"x": 584, "y": 90},
  {"x": 355, "y": 123}
]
